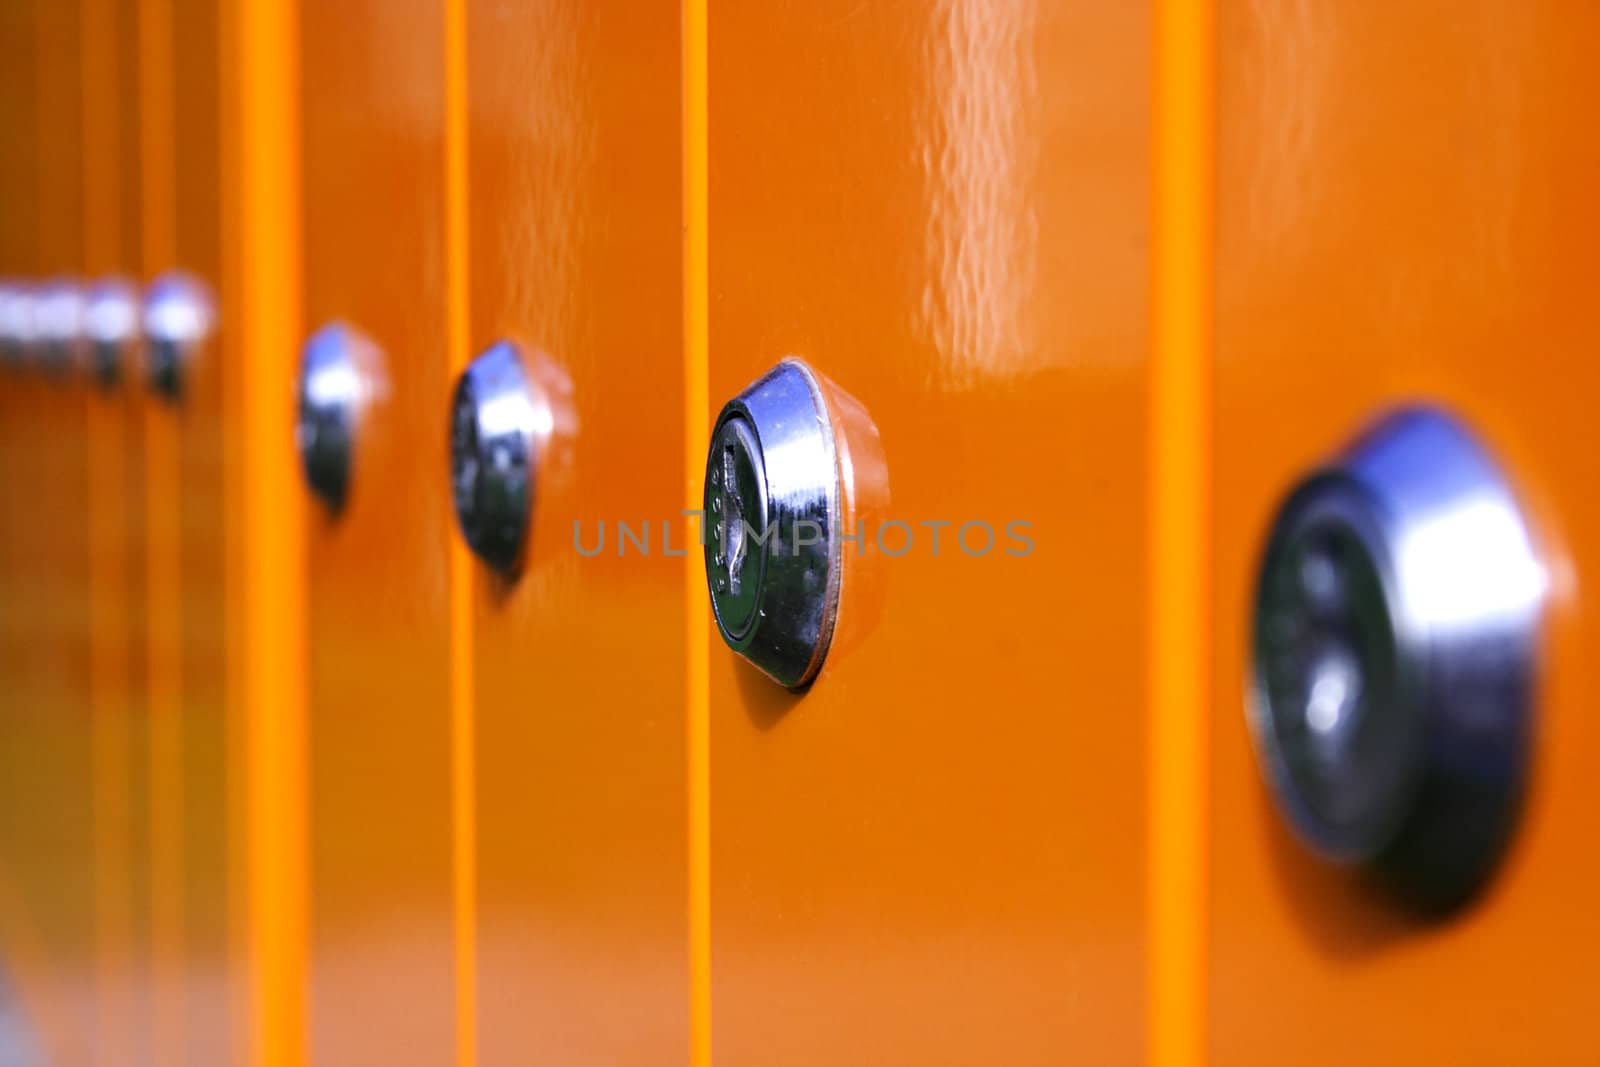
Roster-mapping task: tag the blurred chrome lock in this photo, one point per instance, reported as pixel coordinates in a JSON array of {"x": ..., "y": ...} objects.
[
  {"x": 1396, "y": 621},
  {"x": 493, "y": 455},
  {"x": 58, "y": 323},
  {"x": 771, "y": 524},
  {"x": 340, "y": 373},
  {"x": 111, "y": 324},
  {"x": 18, "y": 332},
  {"x": 178, "y": 318}
]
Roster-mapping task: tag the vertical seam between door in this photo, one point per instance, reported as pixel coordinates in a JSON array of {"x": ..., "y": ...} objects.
[
  {"x": 274, "y": 531},
  {"x": 163, "y": 566},
  {"x": 463, "y": 739},
  {"x": 696, "y": 435},
  {"x": 1180, "y": 550},
  {"x": 106, "y": 537}
]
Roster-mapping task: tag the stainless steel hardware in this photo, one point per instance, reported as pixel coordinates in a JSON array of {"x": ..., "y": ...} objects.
[
  {"x": 18, "y": 327},
  {"x": 771, "y": 524},
  {"x": 58, "y": 323},
  {"x": 178, "y": 319},
  {"x": 493, "y": 456},
  {"x": 111, "y": 324},
  {"x": 340, "y": 371},
  {"x": 1396, "y": 621}
]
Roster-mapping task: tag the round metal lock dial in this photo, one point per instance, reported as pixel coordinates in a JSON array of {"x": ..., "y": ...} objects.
[
  {"x": 58, "y": 323},
  {"x": 1396, "y": 619},
  {"x": 771, "y": 524},
  {"x": 111, "y": 323},
  {"x": 334, "y": 386},
  {"x": 493, "y": 456},
  {"x": 178, "y": 319},
  {"x": 18, "y": 332}
]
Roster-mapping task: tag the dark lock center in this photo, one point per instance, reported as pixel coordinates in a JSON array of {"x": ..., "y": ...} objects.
[
  {"x": 464, "y": 460},
  {"x": 736, "y": 521},
  {"x": 1327, "y": 661},
  {"x": 492, "y": 456}
]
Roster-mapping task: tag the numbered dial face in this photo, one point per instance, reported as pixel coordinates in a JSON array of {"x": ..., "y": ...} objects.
[
  {"x": 736, "y": 529},
  {"x": 1333, "y": 701}
]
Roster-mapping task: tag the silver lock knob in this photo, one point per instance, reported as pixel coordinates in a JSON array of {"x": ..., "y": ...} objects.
[
  {"x": 493, "y": 456},
  {"x": 58, "y": 321},
  {"x": 111, "y": 322},
  {"x": 1396, "y": 621},
  {"x": 178, "y": 319},
  {"x": 339, "y": 372},
  {"x": 18, "y": 327},
  {"x": 772, "y": 524}
]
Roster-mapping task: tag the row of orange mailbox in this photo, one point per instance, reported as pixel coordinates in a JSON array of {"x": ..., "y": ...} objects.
[{"x": 1257, "y": 339}]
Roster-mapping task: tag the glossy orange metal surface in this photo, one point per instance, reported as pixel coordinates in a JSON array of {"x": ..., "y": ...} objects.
[
  {"x": 50, "y": 741},
  {"x": 115, "y": 512},
  {"x": 192, "y": 772},
  {"x": 163, "y": 571},
  {"x": 936, "y": 854},
  {"x": 575, "y": 237},
  {"x": 1405, "y": 210},
  {"x": 45, "y": 986},
  {"x": 381, "y": 971},
  {"x": 17, "y": 249},
  {"x": 1178, "y": 541},
  {"x": 459, "y": 563},
  {"x": 696, "y": 442},
  {"x": 267, "y": 547}
]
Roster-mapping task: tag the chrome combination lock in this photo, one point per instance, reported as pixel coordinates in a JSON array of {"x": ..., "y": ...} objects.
[
  {"x": 493, "y": 456},
  {"x": 771, "y": 524},
  {"x": 18, "y": 323},
  {"x": 1396, "y": 623},
  {"x": 58, "y": 317},
  {"x": 340, "y": 374},
  {"x": 111, "y": 323},
  {"x": 178, "y": 319}
]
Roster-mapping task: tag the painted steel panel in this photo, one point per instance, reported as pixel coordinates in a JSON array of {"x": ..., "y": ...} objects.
[
  {"x": 116, "y": 567},
  {"x": 47, "y": 958},
  {"x": 194, "y": 774},
  {"x": 575, "y": 236},
  {"x": 49, "y": 728},
  {"x": 1405, "y": 211},
  {"x": 936, "y": 854},
  {"x": 378, "y": 644}
]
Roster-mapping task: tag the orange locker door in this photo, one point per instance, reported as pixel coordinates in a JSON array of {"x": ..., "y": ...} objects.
[
  {"x": 1405, "y": 210},
  {"x": 115, "y": 510},
  {"x": 49, "y": 731},
  {"x": 192, "y": 1010},
  {"x": 576, "y": 243},
  {"x": 17, "y": 244},
  {"x": 45, "y": 965},
  {"x": 378, "y": 655},
  {"x": 936, "y": 855}
]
